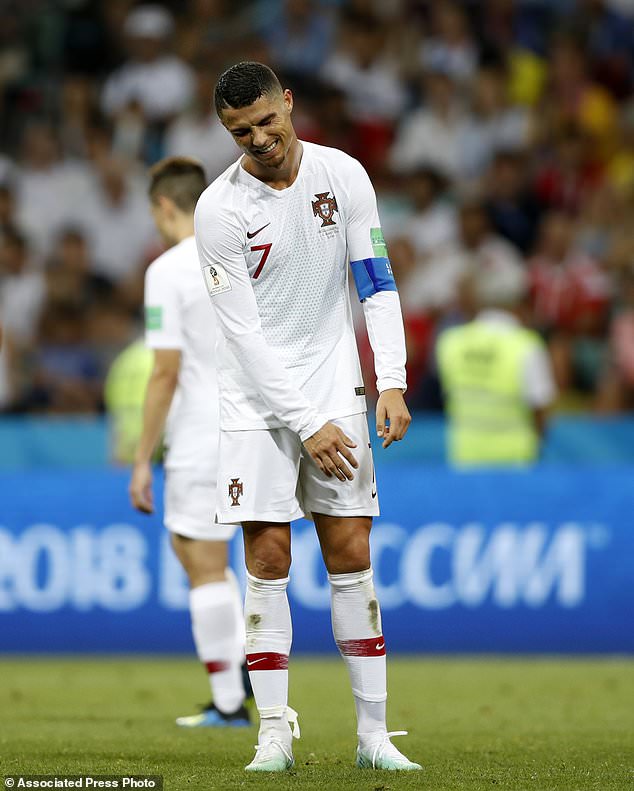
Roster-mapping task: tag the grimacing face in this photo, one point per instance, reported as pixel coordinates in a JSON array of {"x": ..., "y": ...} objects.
[{"x": 263, "y": 130}]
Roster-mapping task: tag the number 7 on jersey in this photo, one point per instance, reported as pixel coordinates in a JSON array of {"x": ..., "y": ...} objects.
[{"x": 266, "y": 249}]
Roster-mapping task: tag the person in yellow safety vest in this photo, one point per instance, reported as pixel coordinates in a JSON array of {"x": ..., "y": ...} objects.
[
  {"x": 124, "y": 394},
  {"x": 496, "y": 377}
]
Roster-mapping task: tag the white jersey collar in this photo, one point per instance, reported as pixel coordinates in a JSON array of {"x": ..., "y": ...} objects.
[{"x": 253, "y": 180}]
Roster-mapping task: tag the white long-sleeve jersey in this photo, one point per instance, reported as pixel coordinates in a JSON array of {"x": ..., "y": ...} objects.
[{"x": 275, "y": 263}]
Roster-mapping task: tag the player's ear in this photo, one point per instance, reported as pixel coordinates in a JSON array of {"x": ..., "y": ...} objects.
[
  {"x": 288, "y": 99},
  {"x": 167, "y": 205}
]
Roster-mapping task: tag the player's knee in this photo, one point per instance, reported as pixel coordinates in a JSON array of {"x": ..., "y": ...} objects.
[
  {"x": 270, "y": 563},
  {"x": 202, "y": 575},
  {"x": 202, "y": 561},
  {"x": 348, "y": 557},
  {"x": 269, "y": 568},
  {"x": 201, "y": 571},
  {"x": 268, "y": 552}
]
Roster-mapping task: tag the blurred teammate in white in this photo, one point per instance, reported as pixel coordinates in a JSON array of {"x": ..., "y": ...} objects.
[
  {"x": 275, "y": 234},
  {"x": 182, "y": 397}
]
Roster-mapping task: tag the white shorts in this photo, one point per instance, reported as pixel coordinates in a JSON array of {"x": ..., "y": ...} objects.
[
  {"x": 267, "y": 476},
  {"x": 190, "y": 504}
]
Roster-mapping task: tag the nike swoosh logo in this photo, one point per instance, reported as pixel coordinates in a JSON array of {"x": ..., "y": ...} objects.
[
  {"x": 255, "y": 661},
  {"x": 255, "y": 233},
  {"x": 380, "y": 646}
]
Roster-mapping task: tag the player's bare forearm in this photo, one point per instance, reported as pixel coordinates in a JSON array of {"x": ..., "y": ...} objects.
[
  {"x": 140, "y": 488},
  {"x": 329, "y": 449},
  {"x": 392, "y": 416},
  {"x": 158, "y": 399}
]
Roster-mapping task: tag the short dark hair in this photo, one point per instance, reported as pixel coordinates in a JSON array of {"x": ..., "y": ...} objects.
[
  {"x": 181, "y": 179},
  {"x": 243, "y": 84}
]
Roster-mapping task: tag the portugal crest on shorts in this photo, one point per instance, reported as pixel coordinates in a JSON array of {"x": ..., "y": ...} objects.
[
  {"x": 235, "y": 491},
  {"x": 325, "y": 207}
]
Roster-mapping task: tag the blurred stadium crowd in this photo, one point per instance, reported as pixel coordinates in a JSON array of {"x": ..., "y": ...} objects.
[{"x": 499, "y": 135}]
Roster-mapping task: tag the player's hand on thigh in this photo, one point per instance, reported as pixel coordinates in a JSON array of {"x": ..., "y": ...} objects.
[
  {"x": 140, "y": 488},
  {"x": 391, "y": 409},
  {"x": 329, "y": 449}
]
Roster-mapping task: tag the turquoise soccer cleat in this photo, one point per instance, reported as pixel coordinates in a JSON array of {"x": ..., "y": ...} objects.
[
  {"x": 384, "y": 755},
  {"x": 271, "y": 756},
  {"x": 274, "y": 753}
]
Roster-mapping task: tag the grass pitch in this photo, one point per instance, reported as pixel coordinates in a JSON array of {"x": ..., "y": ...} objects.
[{"x": 474, "y": 724}]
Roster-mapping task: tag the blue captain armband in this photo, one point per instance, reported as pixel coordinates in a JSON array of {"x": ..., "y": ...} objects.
[{"x": 372, "y": 275}]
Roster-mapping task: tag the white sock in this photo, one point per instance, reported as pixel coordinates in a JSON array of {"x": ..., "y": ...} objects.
[
  {"x": 217, "y": 634},
  {"x": 356, "y": 625},
  {"x": 239, "y": 606},
  {"x": 269, "y": 635}
]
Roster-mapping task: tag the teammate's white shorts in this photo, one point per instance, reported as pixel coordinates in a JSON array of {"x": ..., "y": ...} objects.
[
  {"x": 190, "y": 505},
  {"x": 268, "y": 476}
]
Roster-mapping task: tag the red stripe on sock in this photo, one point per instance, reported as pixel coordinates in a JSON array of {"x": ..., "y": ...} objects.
[
  {"x": 216, "y": 667},
  {"x": 371, "y": 646},
  {"x": 267, "y": 661}
]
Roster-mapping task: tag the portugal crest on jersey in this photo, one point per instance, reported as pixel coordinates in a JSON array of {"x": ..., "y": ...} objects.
[
  {"x": 236, "y": 490},
  {"x": 325, "y": 207}
]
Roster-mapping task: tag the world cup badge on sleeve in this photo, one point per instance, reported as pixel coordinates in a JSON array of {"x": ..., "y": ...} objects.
[{"x": 216, "y": 279}]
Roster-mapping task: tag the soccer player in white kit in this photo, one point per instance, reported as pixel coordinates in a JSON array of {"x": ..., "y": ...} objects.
[
  {"x": 182, "y": 397},
  {"x": 275, "y": 233}
]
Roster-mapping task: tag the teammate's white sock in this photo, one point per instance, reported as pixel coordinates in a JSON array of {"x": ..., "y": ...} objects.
[
  {"x": 269, "y": 635},
  {"x": 356, "y": 625},
  {"x": 217, "y": 630},
  {"x": 239, "y": 607}
]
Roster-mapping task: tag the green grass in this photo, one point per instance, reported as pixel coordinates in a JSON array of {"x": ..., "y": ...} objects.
[{"x": 474, "y": 724}]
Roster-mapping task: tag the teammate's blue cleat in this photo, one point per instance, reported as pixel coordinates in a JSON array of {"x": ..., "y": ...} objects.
[{"x": 210, "y": 717}]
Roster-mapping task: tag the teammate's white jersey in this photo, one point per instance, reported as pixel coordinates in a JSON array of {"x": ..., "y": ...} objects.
[
  {"x": 276, "y": 264},
  {"x": 179, "y": 316}
]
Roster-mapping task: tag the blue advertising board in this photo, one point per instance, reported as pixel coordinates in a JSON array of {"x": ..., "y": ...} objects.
[
  {"x": 28, "y": 442},
  {"x": 538, "y": 561}
]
